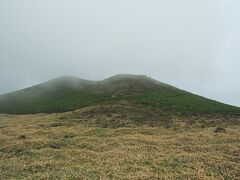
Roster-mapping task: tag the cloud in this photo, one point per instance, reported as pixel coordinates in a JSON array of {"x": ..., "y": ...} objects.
[{"x": 190, "y": 44}]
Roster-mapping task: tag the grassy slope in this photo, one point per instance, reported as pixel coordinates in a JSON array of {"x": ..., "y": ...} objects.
[
  {"x": 69, "y": 93},
  {"x": 52, "y": 147}
]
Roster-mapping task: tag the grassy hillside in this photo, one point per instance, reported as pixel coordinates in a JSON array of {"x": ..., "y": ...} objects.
[
  {"x": 128, "y": 129},
  {"x": 65, "y": 146},
  {"x": 70, "y": 93}
]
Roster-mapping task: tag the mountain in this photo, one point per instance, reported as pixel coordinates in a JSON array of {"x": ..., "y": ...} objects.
[{"x": 70, "y": 93}]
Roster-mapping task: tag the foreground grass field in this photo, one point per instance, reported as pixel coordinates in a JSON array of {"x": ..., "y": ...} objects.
[{"x": 51, "y": 147}]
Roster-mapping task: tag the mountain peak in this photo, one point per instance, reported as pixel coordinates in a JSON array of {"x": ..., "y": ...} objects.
[{"x": 70, "y": 93}]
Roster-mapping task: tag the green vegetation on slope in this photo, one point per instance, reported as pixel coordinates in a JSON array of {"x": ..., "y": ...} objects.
[{"x": 70, "y": 93}]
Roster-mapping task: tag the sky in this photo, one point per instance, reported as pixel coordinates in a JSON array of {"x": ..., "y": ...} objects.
[{"x": 193, "y": 45}]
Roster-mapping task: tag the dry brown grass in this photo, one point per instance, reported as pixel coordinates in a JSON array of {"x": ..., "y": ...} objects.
[{"x": 51, "y": 147}]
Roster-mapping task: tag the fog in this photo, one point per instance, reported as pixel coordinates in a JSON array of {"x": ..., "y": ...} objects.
[{"x": 193, "y": 45}]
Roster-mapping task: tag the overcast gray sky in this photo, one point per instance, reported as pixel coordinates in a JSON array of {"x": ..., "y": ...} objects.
[{"x": 191, "y": 44}]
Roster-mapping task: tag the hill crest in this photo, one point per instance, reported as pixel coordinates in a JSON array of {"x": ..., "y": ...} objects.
[{"x": 68, "y": 93}]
